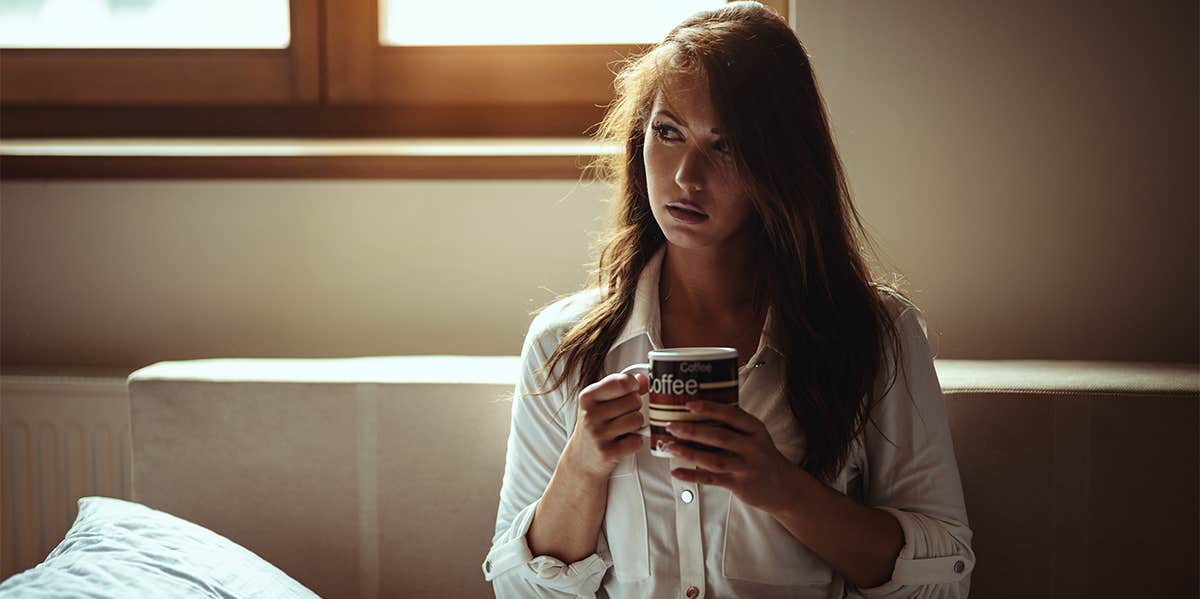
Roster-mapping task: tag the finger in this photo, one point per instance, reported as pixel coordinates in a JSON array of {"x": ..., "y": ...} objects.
[
  {"x": 643, "y": 383},
  {"x": 601, "y": 412},
  {"x": 608, "y": 388},
  {"x": 703, "y": 477},
  {"x": 730, "y": 414},
  {"x": 711, "y": 435},
  {"x": 708, "y": 460},
  {"x": 625, "y": 445},
  {"x": 629, "y": 423}
]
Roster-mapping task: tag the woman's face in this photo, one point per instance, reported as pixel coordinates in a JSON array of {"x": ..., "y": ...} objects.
[{"x": 694, "y": 193}]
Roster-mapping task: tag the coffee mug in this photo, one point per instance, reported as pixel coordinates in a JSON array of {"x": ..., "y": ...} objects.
[{"x": 678, "y": 376}]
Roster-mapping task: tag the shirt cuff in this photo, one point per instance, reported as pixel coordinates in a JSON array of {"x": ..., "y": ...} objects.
[
  {"x": 511, "y": 553},
  {"x": 930, "y": 555}
]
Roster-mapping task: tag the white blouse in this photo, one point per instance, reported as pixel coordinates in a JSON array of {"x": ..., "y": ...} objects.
[{"x": 662, "y": 537}]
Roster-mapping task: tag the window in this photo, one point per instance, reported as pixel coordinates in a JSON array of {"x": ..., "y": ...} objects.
[
  {"x": 318, "y": 68},
  {"x": 527, "y": 22},
  {"x": 158, "y": 52},
  {"x": 144, "y": 24}
]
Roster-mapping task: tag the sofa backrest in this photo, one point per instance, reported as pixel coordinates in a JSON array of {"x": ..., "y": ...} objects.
[
  {"x": 379, "y": 477},
  {"x": 1080, "y": 477}
]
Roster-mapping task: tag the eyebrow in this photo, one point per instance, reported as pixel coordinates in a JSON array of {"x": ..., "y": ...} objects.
[{"x": 681, "y": 121}]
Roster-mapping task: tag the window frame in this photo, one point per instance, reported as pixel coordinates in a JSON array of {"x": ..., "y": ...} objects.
[
  {"x": 336, "y": 79},
  {"x": 177, "y": 77}
]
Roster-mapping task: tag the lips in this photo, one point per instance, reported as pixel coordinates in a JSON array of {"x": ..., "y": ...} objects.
[{"x": 686, "y": 212}]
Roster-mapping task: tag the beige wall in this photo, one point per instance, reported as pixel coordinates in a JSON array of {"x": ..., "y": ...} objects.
[
  {"x": 130, "y": 273},
  {"x": 1031, "y": 167}
]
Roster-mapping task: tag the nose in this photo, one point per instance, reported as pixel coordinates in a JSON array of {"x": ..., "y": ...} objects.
[{"x": 690, "y": 173}]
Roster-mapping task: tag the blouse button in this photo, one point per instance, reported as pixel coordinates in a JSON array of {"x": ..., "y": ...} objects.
[
  {"x": 693, "y": 592},
  {"x": 959, "y": 566},
  {"x": 687, "y": 495}
]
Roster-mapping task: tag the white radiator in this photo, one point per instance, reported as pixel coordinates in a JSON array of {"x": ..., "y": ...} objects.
[{"x": 61, "y": 438}]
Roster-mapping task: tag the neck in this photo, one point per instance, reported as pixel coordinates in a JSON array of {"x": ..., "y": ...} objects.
[{"x": 708, "y": 282}]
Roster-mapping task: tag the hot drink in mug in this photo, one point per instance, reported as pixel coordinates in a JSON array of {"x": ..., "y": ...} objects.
[{"x": 680, "y": 375}]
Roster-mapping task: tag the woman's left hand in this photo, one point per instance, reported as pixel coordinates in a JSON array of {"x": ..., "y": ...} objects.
[{"x": 749, "y": 465}]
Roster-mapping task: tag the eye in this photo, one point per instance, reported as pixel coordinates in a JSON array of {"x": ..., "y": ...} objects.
[
  {"x": 722, "y": 147},
  {"x": 662, "y": 131}
]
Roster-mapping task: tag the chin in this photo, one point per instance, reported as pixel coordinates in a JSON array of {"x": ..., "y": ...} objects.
[{"x": 689, "y": 237}]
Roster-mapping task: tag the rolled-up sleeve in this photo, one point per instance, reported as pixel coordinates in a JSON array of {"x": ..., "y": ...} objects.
[
  {"x": 537, "y": 436},
  {"x": 913, "y": 475}
]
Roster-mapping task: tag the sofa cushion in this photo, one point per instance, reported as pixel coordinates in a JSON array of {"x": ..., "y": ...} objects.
[{"x": 118, "y": 549}]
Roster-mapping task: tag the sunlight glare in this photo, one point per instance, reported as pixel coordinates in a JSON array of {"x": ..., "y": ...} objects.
[
  {"x": 489, "y": 22},
  {"x": 144, "y": 24}
]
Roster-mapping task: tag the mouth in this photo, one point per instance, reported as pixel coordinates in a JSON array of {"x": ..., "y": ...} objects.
[{"x": 685, "y": 212}]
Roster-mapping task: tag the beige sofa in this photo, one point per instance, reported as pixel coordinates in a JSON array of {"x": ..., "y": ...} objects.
[{"x": 379, "y": 477}]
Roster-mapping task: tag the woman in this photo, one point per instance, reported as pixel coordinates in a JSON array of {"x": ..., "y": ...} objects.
[{"x": 734, "y": 227}]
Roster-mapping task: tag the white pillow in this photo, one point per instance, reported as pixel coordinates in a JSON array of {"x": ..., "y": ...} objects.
[{"x": 123, "y": 549}]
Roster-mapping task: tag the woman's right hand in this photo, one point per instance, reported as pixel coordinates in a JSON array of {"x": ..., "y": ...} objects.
[{"x": 607, "y": 428}]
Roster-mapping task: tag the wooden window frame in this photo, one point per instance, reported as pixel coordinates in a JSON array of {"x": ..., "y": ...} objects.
[
  {"x": 334, "y": 80},
  {"x": 466, "y": 87},
  {"x": 155, "y": 76}
]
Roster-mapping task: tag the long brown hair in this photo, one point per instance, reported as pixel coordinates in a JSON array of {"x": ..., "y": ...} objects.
[{"x": 828, "y": 310}]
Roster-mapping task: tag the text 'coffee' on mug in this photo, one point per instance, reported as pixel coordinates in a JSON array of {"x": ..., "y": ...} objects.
[{"x": 680, "y": 375}]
